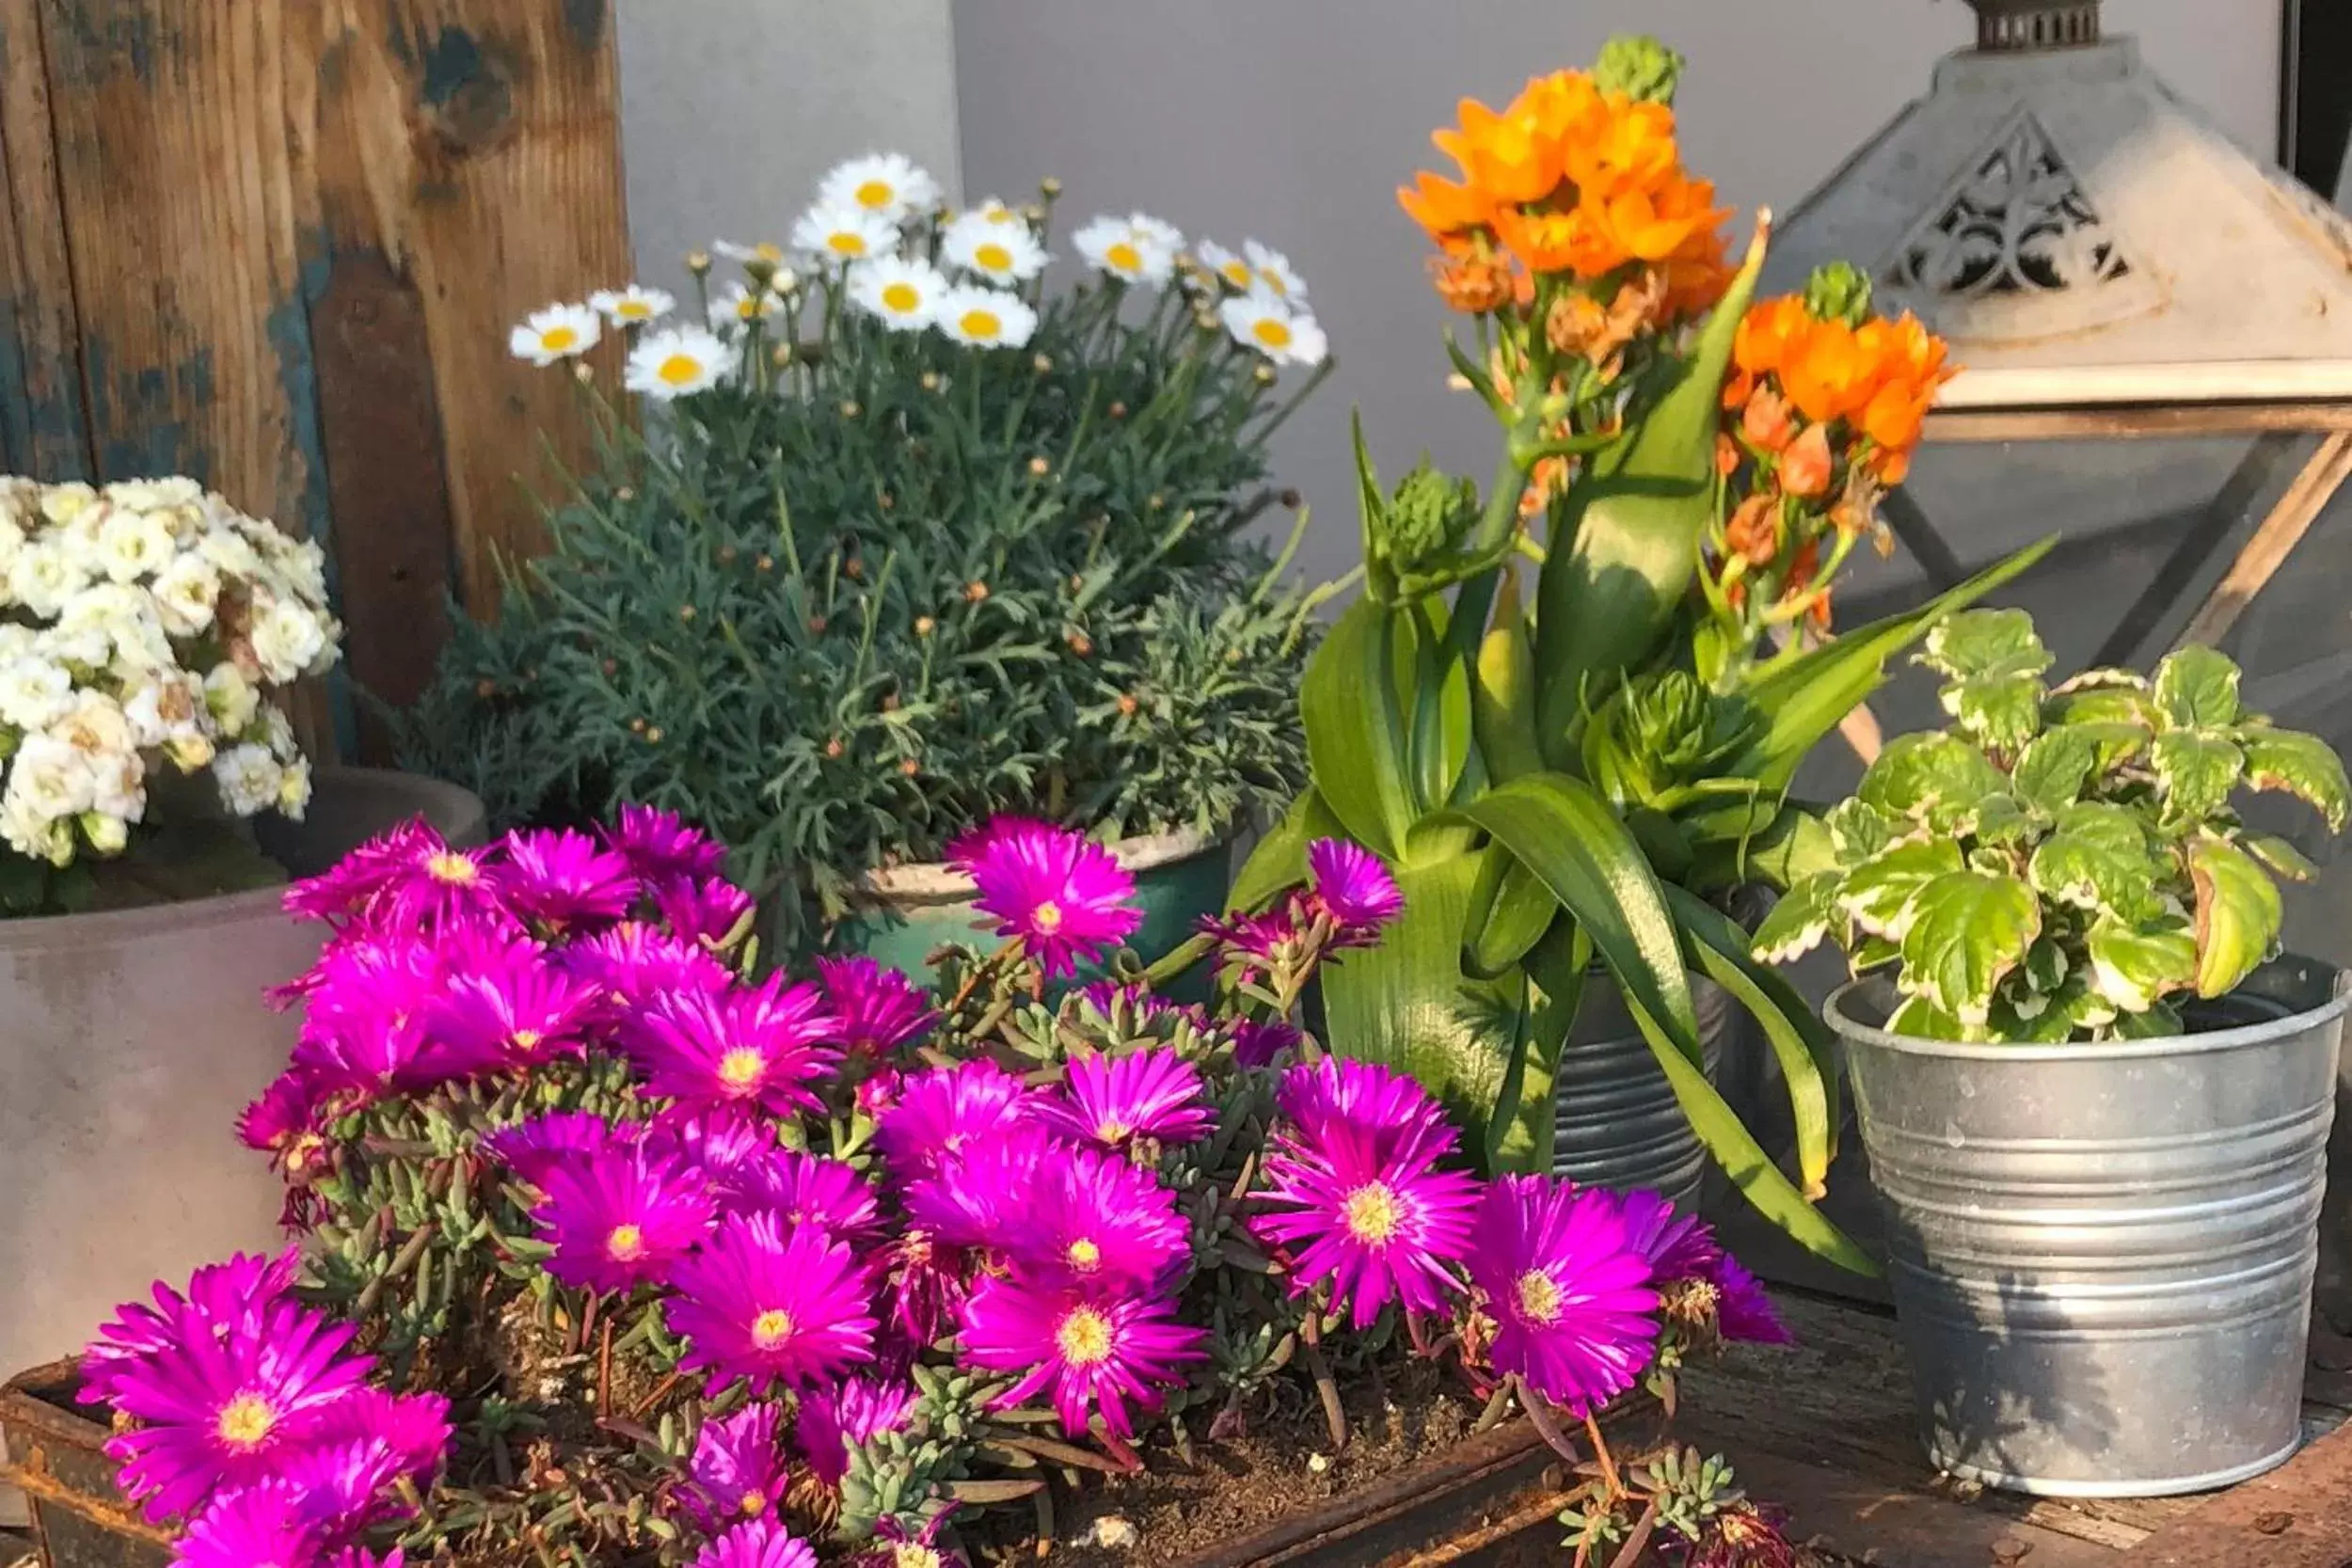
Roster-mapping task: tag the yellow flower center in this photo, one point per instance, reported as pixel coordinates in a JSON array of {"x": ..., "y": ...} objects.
[
  {"x": 453, "y": 868},
  {"x": 556, "y": 340},
  {"x": 1237, "y": 274},
  {"x": 1047, "y": 916},
  {"x": 768, "y": 250},
  {"x": 625, "y": 1245},
  {"x": 913, "y": 1554},
  {"x": 743, "y": 1068},
  {"x": 902, "y": 297},
  {"x": 1124, "y": 255},
  {"x": 245, "y": 1421},
  {"x": 1539, "y": 1297},
  {"x": 1084, "y": 1254},
  {"x": 754, "y": 1504},
  {"x": 771, "y": 1328},
  {"x": 1112, "y": 1130},
  {"x": 633, "y": 311},
  {"x": 845, "y": 242},
  {"x": 749, "y": 308},
  {"x": 1273, "y": 280},
  {"x": 679, "y": 369},
  {"x": 525, "y": 1041},
  {"x": 1372, "y": 1213},
  {"x": 992, "y": 257},
  {"x": 876, "y": 193},
  {"x": 1084, "y": 1338},
  {"x": 1272, "y": 331},
  {"x": 982, "y": 324}
]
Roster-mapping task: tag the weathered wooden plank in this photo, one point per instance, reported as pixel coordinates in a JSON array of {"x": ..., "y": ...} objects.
[
  {"x": 2296, "y": 1517},
  {"x": 43, "y": 427}
]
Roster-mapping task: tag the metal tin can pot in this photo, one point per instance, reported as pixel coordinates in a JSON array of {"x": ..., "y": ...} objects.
[
  {"x": 2101, "y": 1255},
  {"x": 1619, "y": 1125}
]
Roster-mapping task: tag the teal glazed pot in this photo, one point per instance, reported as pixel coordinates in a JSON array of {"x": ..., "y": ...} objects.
[{"x": 907, "y": 912}]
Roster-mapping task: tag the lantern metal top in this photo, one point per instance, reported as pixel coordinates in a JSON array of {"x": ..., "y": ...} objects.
[{"x": 2082, "y": 236}]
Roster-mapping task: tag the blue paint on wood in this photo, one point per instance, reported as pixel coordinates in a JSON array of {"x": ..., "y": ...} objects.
[
  {"x": 109, "y": 36},
  {"x": 452, "y": 62},
  {"x": 288, "y": 333},
  {"x": 139, "y": 429},
  {"x": 585, "y": 20}
]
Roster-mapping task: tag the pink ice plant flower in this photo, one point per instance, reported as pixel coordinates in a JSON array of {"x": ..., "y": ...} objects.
[
  {"x": 1354, "y": 1194},
  {"x": 1261, "y": 1042},
  {"x": 661, "y": 847},
  {"x": 1113, "y": 1099},
  {"x": 768, "y": 1308},
  {"x": 737, "y": 1470},
  {"x": 510, "y": 1016},
  {"x": 621, "y": 1218},
  {"x": 235, "y": 1292},
  {"x": 941, "y": 1110},
  {"x": 706, "y": 911},
  {"x": 879, "y": 1010},
  {"x": 410, "y": 1432},
  {"x": 1090, "y": 1352},
  {"x": 839, "y": 1416},
  {"x": 561, "y": 880},
  {"x": 1095, "y": 1220},
  {"x": 757, "y": 1544},
  {"x": 539, "y": 1146},
  {"x": 1575, "y": 1315},
  {"x": 1348, "y": 883},
  {"x": 633, "y": 962},
  {"x": 1676, "y": 1245},
  {"x": 801, "y": 1189},
  {"x": 267, "y": 1525},
  {"x": 981, "y": 1194},
  {"x": 1743, "y": 1313},
  {"x": 752, "y": 1050},
  {"x": 1061, "y": 896}
]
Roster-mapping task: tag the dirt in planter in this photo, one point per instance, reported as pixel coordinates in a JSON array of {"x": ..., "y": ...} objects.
[{"x": 1282, "y": 1463}]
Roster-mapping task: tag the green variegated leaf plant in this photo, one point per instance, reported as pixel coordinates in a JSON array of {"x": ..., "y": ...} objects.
[
  {"x": 1574, "y": 781},
  {"x": 2063, "y": 864}
]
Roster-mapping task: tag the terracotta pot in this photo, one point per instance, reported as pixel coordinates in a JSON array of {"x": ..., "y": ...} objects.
[{"x": 129, "y": 1041}]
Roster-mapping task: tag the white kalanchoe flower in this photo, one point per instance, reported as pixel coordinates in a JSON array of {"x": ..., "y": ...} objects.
[
  {"x": 631, "y": 306},
  {"x": 293, "y": 789},
  {"x": 739, "y": 304},
  {"x": 1003, "y": 253},
  {"x": 677, "y": 361},
  {"x": 12, "y": 543},
  {"x": 133, "y": 545},
  {"x": 231, "y": 698},
  {"x": 556, "y": 332},
  {"x": 1260, "y": 320},
  {"x": 903, "y": 293},
  {"x": 1271, "y": 271},
  {"x": 52, "y": 777},
  {"x": 62, "y": 504},
  {"x": 33, "y": 833},
  {"x": 1230, "y": 268},
  {"x": 1122, "y": 249},
  {"x": 287, "y": 638},
  {"x": 986, "y": 318},
  {"x": 887, "y": 184},
  {"x": 35, "y": 693},
  {"x": 187, "y": 594},
  {"x": 44, "y": 579},
  {"x": 835, "y": 235},
  {"x": 250, "y": 778}
]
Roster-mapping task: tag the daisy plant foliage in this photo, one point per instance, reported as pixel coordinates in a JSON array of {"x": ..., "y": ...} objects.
[
  {"x": 892, "y": 530},
  {"x": 2064, "y": 864},
  {"x": 1566, "y": 712},
  {"x": 610, "y": 1247}
]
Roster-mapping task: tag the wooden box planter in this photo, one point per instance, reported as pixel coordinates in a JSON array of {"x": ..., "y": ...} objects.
[{"x": 55, "y": 1456}]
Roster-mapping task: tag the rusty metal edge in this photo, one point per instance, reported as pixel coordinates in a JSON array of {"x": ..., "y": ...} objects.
[{"x": 28, "y": 1406}]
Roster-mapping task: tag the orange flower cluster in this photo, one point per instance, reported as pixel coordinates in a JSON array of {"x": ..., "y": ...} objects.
[
  {"x": 1567, "y": 178},
  {"x": 1881, "y": 377}
]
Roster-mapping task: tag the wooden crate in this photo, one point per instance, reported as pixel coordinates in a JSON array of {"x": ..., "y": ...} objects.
[{"x": 277, "y": 245}]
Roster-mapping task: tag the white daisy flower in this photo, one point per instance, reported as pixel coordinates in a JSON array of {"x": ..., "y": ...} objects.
[
  {"x": 1004, "y": 253},
  {"x": 555, "y": 332},
  {"x": 631, "y": 306},
  {"x": 835, "y": 233},
  {"x": 676, "y": 361},
  {"x": 740, "y": 304},
  {"x": 886, "y": 185},
  {"x": 1274, "y": 272},
  {"x": 1117, "y": 246},
  {"x": 766, "y": 251},
  {"x": 990, "y": 208},
  {"x": 1230, "y": 269},
  {"x": 903, "y": 293},
  {"x": 1260, "y": 320},
  {"x": 986, "y": 318},
  {"x": 1156, "y": 232}
]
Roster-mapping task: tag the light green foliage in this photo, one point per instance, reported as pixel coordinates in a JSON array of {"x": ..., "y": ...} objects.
[
  {"x": 2065, "y": 863},
  {"x": 1640, "y": 67},
  {"x": 1838, "y": 291}
]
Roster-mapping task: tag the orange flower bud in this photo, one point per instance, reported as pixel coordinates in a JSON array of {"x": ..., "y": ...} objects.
[
  {"x": 1805, "y": 467},
  {"x": 1727, "y": 456},
  {"x": 1753, "y": 530},
  {"x": 1767, "y": 423}
]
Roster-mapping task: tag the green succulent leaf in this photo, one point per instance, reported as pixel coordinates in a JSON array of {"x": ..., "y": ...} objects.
[
  {"x": 2238, "y": 914},
  {"x": 2197, "y": 768},
  {"x": 1936, "y": 778},
  {"x": 2133, "y": 965},
  {"x": 1799, "y": 919},
  {"x": 2299, "y": 765},
  {"x": 1966, "y": 931},
  {"x": 1878, "y": 894},
  {"x": 2196, "y": 688}
]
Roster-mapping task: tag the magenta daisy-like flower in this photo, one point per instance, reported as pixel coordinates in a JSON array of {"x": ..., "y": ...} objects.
[
  {"x": 717, "y": 1144},
  {"x": 408, "y": 1433},
  {"x": 1254, "y": 941},
  {"x": 1261, "y": 1042},
  {"x": 661, "y": 847},
  {"x": 620, "y": 1218},
  {"x": 632, "y": 963},
  {"x": 839, "y": 1416},
  {"x": 1087, "y": 1350},
  {"x": 922, "y": 1283},
  {"x": 1354, "y": 1195},
  {"x": 705, "y": 912},
  {"x": 879, "y": 1009},
  {"x": 234, "y": 1293},
  {"x": 739, "y": 1470},
  {"x": 750, "y": 1050},
  {"x": 345, "y": 892},
  {"x": 219, "y": 1404},
  {"x": 1059, "y": 893},
  {"x": 557, "y": 1139},
  {"x": 770, "y": 1308},
  {"x": 1743, "y": 1311},
  {"x": 287, "y": 1121},
  {"x": 518, "y": 1013},
  {"x": 1095, "y": 1220},
  {"x": 267, "y": 1525},
  {"x": 1675, "y": 1244},
  {"x": 364, "y": 1031},
  {"x": 431, "y": 882},
  {"x": 1348, "y": 883},
  {"x": 1112, "y": 1099},
  {"x": 981, "y": 1194},
  {"x": 804, "y": 1190},
  {"x": 1574, "y": 1312},
  {"x": 560, "y": 880},
  {"x": 944, "y": 1110},
  {"x": 757, "y": 1544}
]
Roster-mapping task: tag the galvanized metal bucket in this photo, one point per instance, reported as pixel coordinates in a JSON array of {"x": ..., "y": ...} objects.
[
  {"x": 2101, "y": 1255},
  {"x": 1619, "y": 1125}
]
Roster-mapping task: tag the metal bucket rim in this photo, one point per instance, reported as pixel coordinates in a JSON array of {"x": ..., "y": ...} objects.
[
  {"x": 937, "y": 882},
  {"x": 2266, "y": 1033}
]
